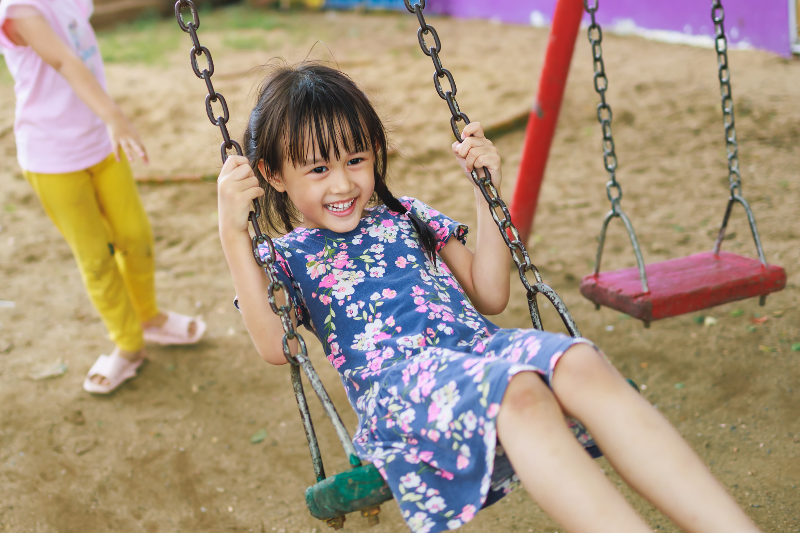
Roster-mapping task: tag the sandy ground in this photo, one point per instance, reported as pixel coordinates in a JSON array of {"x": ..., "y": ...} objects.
[{"x": 171, "y": 450}]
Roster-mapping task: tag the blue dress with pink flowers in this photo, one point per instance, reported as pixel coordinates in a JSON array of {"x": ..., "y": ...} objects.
[{"x": 424, "y": 371}]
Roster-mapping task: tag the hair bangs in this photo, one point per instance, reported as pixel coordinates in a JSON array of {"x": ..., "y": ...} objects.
[{"x": 321, "y": 121}]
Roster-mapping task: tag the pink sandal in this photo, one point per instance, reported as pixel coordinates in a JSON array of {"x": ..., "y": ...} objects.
[
  {"x": 116, "y": 369},
  {"x": 176, "y": 330}
]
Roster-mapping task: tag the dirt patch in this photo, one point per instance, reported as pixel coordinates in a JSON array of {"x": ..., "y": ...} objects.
[{"x": 171, "y": 451}]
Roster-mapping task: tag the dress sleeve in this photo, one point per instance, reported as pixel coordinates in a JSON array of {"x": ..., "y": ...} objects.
[
  {"x": 284, "y": 272},
  {"x": 444, "y": 226}
]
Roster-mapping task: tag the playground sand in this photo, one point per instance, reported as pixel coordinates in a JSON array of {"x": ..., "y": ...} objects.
[{"x": 171, "y": 450}]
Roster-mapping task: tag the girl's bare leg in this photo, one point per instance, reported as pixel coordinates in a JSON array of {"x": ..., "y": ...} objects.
[
  {"x": 643, "y": 447},
  {"x": 553, "y": 467}
]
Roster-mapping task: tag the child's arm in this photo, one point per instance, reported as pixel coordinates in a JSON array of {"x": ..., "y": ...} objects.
[
  {"x": 237, "y": 187},
  {"x": 484, "y": 274},
  {"x": 37, "y": 33}
]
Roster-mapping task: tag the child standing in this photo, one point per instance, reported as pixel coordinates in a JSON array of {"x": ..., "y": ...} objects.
[
  {"x": 72, "y": 140},
  {"x": 397, "y": 301}
]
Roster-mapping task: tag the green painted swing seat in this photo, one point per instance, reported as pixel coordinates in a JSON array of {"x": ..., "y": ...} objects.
[{"x": 354, "y": 490}]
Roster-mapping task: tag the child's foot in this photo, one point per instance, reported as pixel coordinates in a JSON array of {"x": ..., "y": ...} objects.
[
  {"x": 111, "y": 371},
  {"x": 173, "y": 328}
]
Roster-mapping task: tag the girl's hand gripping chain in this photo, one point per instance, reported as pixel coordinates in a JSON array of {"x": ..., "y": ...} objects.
[
  {"x": 484, "y": 274},
  {"x": 237, "y": 187},
  {"x": 476, "y": 151}
]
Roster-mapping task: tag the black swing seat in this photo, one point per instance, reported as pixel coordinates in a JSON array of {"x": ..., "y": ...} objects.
[{"x": 683, "y": 285}]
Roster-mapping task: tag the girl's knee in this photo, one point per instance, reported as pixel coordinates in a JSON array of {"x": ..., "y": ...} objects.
[
  {"x": 583, "y": 373},
  {"x": 581, "y": 361},
  {"x": 525, "y": 393}
]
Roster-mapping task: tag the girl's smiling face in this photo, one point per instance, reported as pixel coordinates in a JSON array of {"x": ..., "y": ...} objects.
[
  {"x": 319, "y": 150},
  {"x": 329, "y": 194}
]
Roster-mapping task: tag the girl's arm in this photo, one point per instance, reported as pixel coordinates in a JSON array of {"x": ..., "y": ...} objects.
[
  {"x": 484, "y": 274},
  {"x": 237, "y": 187},
  {"x": 37, "y": 33}
]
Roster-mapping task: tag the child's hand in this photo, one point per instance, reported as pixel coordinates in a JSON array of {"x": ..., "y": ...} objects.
[
  {"x": 476, "y": 151},
  {"x": 124, "y": 135},
  {"x": 237, "y": 187}
]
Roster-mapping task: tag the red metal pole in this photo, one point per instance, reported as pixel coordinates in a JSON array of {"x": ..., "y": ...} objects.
[{"x": 544, "y": 115}]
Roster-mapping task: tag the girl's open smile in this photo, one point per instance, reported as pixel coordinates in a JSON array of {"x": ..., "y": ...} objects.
[{"x": 342, "y": 209}]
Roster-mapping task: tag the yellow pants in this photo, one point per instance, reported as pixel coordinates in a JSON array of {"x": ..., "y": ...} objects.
[{"x": 100, "y": 214}]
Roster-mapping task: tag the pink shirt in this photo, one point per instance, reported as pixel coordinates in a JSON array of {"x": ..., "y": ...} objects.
[{"x": 55, "y": 131}]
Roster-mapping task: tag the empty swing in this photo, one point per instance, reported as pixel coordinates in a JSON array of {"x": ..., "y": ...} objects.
[{"x": 682, "y": 285}]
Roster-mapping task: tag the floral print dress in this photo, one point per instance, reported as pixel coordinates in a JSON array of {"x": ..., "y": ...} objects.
[{"x": 424, "y": 371}]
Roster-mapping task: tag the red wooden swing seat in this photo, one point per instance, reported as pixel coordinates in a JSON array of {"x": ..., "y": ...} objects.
[{"x": 683, "y": 285}]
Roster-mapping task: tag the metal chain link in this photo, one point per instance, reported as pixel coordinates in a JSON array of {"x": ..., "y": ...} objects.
[
  {"x": 731, "y": 143},
  {"x": 284, "y": 312},
  {"x": 604, "y": 115},
  {"x": 221, "y": 121},
  {"x": 502, "y": 218},
  {"x": 205, "y": 74}
]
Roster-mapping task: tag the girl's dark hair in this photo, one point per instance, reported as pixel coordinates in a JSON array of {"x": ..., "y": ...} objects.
[{"x": 308, "y": 106}]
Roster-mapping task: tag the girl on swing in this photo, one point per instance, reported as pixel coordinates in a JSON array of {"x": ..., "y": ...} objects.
[
  {"x": 71, "y": 144},
  {"x": 445, "y": 398}
]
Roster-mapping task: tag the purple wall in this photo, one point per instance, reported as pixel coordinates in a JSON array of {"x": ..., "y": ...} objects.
[{"x": 759, "y": 23}]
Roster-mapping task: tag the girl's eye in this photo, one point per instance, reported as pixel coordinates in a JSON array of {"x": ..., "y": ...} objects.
[
  {"x": 355, "y": 161},
  {"x": 319, "y": 170}
]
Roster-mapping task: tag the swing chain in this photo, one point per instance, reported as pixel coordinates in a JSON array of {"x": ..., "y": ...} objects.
[
  {"x": 268, "y": 263},
  {"x": 266, "y": 258},
  {"x": 497, "y": 207},
  {"x": 205, "y": 74},
  {"x": 456, "y": 115},
  {"x": 731, "y": 143},
  {"x": 604, "y": 115}
]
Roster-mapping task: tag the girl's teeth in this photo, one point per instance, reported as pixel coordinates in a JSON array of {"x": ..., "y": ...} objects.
[{"x": 340, "y": 207}]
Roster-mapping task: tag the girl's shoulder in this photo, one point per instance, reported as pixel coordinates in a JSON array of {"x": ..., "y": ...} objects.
[
  {"x": 419, "y": 208},
  {"x": 295, "y": 237}
]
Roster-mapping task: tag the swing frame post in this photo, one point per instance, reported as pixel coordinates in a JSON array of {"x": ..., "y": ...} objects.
[{"x": 544, "y": 114}]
